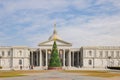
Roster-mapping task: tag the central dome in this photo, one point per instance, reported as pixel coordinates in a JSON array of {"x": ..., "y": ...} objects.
[{"x": 54, "y": 35}]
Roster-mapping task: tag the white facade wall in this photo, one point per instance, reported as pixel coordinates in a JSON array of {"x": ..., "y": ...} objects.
[
  {"x": 101, "y": 57},
  {"x": 5, "y": 58},
  {"x": 23, "y": 55},
  {"x": 92, "y": 57},
  {"x": 11, "y": 56}
]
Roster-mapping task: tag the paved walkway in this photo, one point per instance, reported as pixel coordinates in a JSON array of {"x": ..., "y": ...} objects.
[{"x": 53, "y": 75}]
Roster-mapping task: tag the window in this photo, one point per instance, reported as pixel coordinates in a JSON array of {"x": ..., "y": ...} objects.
[
  {"x": 117, "y": 54},
  {"x": 20, "y": 62},
  {"x": 3, "y": 53},
  {"x": 20, "y": 53},
  {"x": 112, "y": 53},
  {"x": 90, "y": 53},
  {"x": 90, "y": 62},
  {"x": 106, "y": 53},
  {"x": 101, "y": 54},
  {"x": 8, "y": 53}
]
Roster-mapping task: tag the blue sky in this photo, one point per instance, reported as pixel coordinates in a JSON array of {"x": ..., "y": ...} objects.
[{"x": 80, "y": 22}]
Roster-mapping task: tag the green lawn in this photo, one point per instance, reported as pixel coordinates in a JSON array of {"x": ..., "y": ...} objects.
[
  {"x": 105, "y": 74},
  {"x": 18, "y": 73}
]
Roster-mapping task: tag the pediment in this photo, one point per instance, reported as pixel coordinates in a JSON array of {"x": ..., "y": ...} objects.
[{"x": 59, "y": 43}]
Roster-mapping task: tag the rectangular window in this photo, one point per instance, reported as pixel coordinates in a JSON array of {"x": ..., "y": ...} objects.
[
  {"x": 8, "y": 53},
  {"x": 101, "y": 54},
  {"x": 106, "y": 54},
  {"x": 3, "y": 53},
  {"x": 20, "y": 62},
  {"x": 90, "y": 53},
  {"x": 112, "y": 53},
  {"x": 117, "y": 54},
  {"x": 20, "y": 53},
  {"x": 90, "y": 62}
]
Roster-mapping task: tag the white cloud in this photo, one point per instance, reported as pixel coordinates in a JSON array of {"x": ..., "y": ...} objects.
[
  {"x": 99, "y": 31},
  {"x": 115, "y": 3},
  {"x": 31, "y": 21},
  {"x": 11, "y": 6}
]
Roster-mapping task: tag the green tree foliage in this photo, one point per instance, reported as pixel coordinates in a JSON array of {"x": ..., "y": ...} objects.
[
  {"x": 0, "y": 67},
  {"x": 55, "y": 60}
]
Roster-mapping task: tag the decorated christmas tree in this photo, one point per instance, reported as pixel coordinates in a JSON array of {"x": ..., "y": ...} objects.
[{"x": 54, "y": 60}]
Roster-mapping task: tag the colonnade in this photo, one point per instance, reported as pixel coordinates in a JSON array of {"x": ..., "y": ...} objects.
[{"x": 40, "y": 58}]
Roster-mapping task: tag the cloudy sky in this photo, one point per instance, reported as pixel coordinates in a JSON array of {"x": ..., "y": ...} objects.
[{"x": 80, "y": 22}]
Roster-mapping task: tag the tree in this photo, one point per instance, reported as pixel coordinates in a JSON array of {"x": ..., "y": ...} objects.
[{"x": 55, "y": 60}]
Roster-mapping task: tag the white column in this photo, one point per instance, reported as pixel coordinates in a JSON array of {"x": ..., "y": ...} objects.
[
  {"x": 73, "y": 58},
  {"x": 31, "y": 58},
  {"x": 69, "y": 58},
  {"x": 63, "y": 58},
  {"x": 46, "y": 58},
  {"x": 41, "y": 58}
]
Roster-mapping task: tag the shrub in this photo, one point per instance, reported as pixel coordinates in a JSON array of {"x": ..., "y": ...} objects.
[
  {"x": 0, "y": 67},
  {"x": 117, "y": 68}
]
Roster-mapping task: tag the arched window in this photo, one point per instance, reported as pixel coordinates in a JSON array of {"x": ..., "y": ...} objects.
[
  {"x": 3, "y": 53},
  {"x": 20, "y": 62},
  {"x": 90, "y": 62}
]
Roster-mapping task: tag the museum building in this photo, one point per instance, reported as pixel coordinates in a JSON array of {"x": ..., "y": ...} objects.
[{"x": 25, "y": 58}]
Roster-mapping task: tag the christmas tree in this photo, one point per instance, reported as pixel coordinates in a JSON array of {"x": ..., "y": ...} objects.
[{"x": 55, "y": 60}]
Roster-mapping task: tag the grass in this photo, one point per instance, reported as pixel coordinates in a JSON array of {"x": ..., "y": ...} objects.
[
  {"x": 4, "y": 74},
  {"x": 104, "y": 74}
]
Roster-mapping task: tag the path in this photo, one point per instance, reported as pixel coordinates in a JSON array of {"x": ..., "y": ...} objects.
[{"x": 53, "y": 75}]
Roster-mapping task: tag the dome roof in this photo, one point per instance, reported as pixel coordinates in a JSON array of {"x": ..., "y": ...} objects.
[{"x": 54, "y": 35}]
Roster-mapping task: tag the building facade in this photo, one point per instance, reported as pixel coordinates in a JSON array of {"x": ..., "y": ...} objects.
[{"x": 25, "y": 58}]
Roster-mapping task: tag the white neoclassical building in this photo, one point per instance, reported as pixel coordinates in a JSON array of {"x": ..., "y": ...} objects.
[{"x": 25, "y": 58}]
